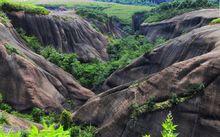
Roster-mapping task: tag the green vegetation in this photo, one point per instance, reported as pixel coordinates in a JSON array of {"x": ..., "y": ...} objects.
[
  {"x": 55, "y": 125},
  {"x": 123, "y": 12},
  {"x": 9, "y": 6},
  {"x": 3, "y": 18},
  {"x": 151, "y": 104},
  {"x": 92, "y": 14},
  {"x": 215, "y": 21},
  {"x": 32, "y": 42},
  {"x": 65, "y": 119},
  {"x": 171, "y": 9},
  {"x": 121, "y": 51},
  {"x": 10, "y": 49},
  {"x": 47, "y": 131},
  {"x": 168, "y": 128},
  {"x": 3, "y": 119},
  {"x": 135, "y": 2}
]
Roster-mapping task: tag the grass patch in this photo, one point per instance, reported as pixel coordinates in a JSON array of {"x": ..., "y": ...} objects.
[
  {"x": 123, "y": 12},
  {"x": 3, "y": 18},
  {"x": 10, "y": 6},
  {"x": 10, "y": 49},
  {"x": 122, "y": 52},
  {"x": 171, "y": 9},
  {"x": 152, "y": 105}
]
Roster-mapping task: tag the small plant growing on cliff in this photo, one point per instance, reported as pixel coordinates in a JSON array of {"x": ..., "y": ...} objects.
[
  {"x": 169, "y": 128},
  {"x": 174, "y": 99},
  {"x": 65, "y": 119},
  {"x": 78, "y": 131},
  {"x": 3, "y": 119},
  {"x": 10, "y": 49},
  {"x": 5, "y": 107},
  {"x": 196, "y": 87},
  {"x": 37, "y": 114},
  {"x": 215, "y": 21},
  {"x": 1, "y": 98},
  {"x": 140, "y": 109},
  {"x": 146, "y": 135}
]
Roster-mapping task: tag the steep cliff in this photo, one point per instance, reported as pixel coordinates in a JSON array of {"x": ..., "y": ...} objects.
[
  {"x": 171, "y": 52},
  {"x": 65, "y": 31},
  {"x": 178, "y": 25},
  {"x": 28, "y": 80},
  {"x": 192, "y": 73},
  {"x": 112, "y": 27}
]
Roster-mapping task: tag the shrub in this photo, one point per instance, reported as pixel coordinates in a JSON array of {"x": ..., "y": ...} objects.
[
  {"x": 32, "y": 41},
  {"x": 196, "y": 87},
  {"x": 170, "y": 9},
  {"x": 10, "y": 49},
  {"x": 137, "y": 110},
  {"x": 24, "y": 134},
  {"x": 3, "y": 18},
  {"x": 78, "y": 131},
  {"x": 37, "y": 114},
  {"x": 174, "y": 99},
  {"x": 93, "y": 14},
  {"x": 5, "y": 107},
  {"x": 48, "y": 131},
  {"x": 28, "y": 8},
  {"x": 65, "y": 119},
  {"x": 3, "y": 119},
  {"x": 1, "y": 98},
  {"x": 215, "y": 21},
  {"x": 169, "y": 128}
]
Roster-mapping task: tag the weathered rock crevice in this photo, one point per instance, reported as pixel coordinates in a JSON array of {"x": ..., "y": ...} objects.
[
  {"x": 28, "y": 80},
  {"x": 65, "y": 31}
]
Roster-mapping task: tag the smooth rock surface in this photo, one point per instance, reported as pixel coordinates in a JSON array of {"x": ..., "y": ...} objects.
[
  {"x": 65, "y": 31},
  {"x": 28, "y": 80},
  {"x": 181, "y": 48},
  {"x": 198, "y": 116},
  {"x": 179, "y": 25}
]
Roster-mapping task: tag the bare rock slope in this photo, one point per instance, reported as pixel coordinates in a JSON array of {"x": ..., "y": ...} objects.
[
  {"x": 179, "y": 25},
  {"x": 191, "y": 71},
  {"x": 65, "y": 31},
  {"x": 176, "y": 50},
  {"x": 28, "y": 80}
]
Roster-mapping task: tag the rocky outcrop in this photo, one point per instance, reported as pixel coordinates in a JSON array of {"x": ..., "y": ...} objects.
[
  {"x": 178, "y": 25},
  {"x": 28, "y": 80},
  {"x": 196, "y": 81},
  {"x": 65, "y": 31},
  {"x": 16, "y": 123},
  {"x": 112, "y": 27},
  {"x": 165, "y": 55},
  {"x": 137, "y": 20}
]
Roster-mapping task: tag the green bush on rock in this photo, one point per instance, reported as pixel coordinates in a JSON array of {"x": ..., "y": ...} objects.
[
  {"x": 168, "y": 128},
  {"x": 215, "y": 21},
  {"x": 8, "y": 6}
]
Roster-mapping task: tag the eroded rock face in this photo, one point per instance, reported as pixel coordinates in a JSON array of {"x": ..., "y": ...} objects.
[
  {"x": 197, "y": 116},
  {"x": 28, "y": 80},
  {"x": 66, "y": 32},
  {"x": 16, "y": 123},
  {"x": 181, "y": 48},
  {"x": 112, "y": 27},
  {"x": 179, "y": 25}
]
